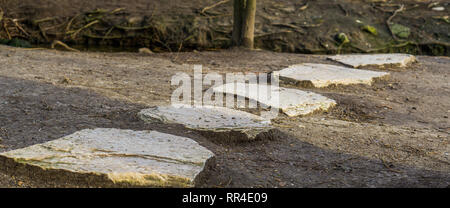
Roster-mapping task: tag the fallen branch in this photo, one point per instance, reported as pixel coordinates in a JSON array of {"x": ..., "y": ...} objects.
[
  {"x": 36, "y": 22},
  {"x": 15, "y": 21},
  {"x": 305, "y": 6},
  {"x": 388, "y": 22},
  {"x": 4, "y": 24},
  {"x": 343, "y": 9},
  {"x": 43, "y": 33},
  {"x": 214, "y": 5},
  {"x": 6, "y": 30},
  {"x": 164, "y": 44},
  {"x": 102, "y": 37},
  {"x": 133, "y": 28},
  {"x": 74, "y": 34},
  {"x": 116, "y": 10},
  {"x": 296, "y": 28},
  {"x": 107, "y": 33},
  {"x": 272, "y": 33},
  {"x": 69, "y": 24},
  {"x": 57, "y": 42},
  {"x": 216, "y": 16}
]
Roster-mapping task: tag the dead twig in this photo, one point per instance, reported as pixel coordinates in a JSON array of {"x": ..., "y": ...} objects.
[
  {"x": 116, "y": 10},
  {"x": 164, "y": 44},
  {"x": 1, "y": 14},
  {"x": 296, "y": 28},
  {"x": 43, "y": 33},
  {"x": 69, "y": 24},
  {"x": 343, "y": 9},
  {"x": 4, "y": 24},
  {"x": 133, "y": 28},
  {"x": 57, "y": 42},
  {"x": 304, "y": 7},
  {"x": 102, "y": 37},
  {"x": 15, "y": 21},
  {"x": 36, "y": 22},
  {"x": 6, "y": 30},
  {"x": 389, "y": 21},
  {"x": 75, "y": 33},
  {"x": 214, "y": 5},
  {"x": 107, "y": 33},
  {"x": 272, "y": 33}
]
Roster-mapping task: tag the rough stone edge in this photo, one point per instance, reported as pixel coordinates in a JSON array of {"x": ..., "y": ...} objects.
[
  {"x": 334, "y": 103},
  {"x": 308, "y": 84},
  {"x": 225, "y": 135},
  {"x": 409, "y": 62},
  {"x": 316, "y": 111},
  {"x": 60, "y": 178}
]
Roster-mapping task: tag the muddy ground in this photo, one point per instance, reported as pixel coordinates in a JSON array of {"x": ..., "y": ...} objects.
[
  {"x": 306, "y": 26},
  {"x": 392, "y": 134}
]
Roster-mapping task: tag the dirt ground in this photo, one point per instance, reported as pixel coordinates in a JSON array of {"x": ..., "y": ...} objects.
[
  {"x": 306, "y": 26},
  {"x": 392, "y": 134}
]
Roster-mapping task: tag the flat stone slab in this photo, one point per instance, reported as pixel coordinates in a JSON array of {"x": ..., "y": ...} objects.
[
  {"x": 124, "y": 158},
  {"x": 210, "y": 119},
  {"x": 323, "y": 75},
  {"x": 292, "y": 102},
  {"x": 381, "y": 60}
]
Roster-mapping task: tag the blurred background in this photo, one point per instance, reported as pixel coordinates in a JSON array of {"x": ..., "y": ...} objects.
[{"x": 299, "y": 26}]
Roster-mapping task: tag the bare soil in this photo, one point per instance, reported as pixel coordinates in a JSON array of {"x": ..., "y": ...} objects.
[{"x": 392, "y": 134}]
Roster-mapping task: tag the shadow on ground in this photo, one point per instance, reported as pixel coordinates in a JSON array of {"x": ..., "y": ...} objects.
[{"x": 34, "y": 113}]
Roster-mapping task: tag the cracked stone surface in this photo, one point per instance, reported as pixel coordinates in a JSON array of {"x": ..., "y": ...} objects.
[
  {"x": 124, "y": 157},
  {"x": 323, "y": 75},
  {"x": 292, "y": 102},
  {"x": 381, "y": 60},
  {"x": 213, "y": 119}
]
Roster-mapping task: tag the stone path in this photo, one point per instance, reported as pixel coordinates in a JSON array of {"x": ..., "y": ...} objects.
[
  {"x": 323, "y": 75},
  {"x": 124, "y": 157},
  {"x": 381, "y": 60},
  {"x": 292, "y": 102},
  {"x": 234, "y": 124}
]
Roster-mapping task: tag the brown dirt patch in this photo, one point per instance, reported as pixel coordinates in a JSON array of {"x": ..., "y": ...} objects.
[{"x": 392, "y": 134}]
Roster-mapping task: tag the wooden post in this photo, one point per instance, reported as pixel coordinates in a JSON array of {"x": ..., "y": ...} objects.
[
  {"x": 248, "y": 32},
  {"x": 244, "y": 23}
]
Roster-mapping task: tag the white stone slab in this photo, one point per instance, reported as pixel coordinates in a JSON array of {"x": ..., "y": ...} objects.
[
  {"x": 209, "y": 119},
  {"x": 135, "y": 158},
  {"x": 360, "y": 60},
  {"x": 292, "y": 102},
  {"x": 323, "y": 75}
]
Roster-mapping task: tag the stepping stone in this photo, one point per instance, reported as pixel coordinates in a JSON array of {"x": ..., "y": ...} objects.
[
  {"x": 292, "y": 102},
  {"x": 112, "y": 158},
  {"x": 215, "y": 122},
  {"x": 381, "y": 60},
  {"x": 323, "y": 75}
]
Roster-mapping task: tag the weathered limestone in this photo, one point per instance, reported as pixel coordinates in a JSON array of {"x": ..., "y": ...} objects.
[
  {"x": 292, "y": 102},
  {"x": 125, "y": 158},
  {"x": 381, "y": 60},
  {"x": 323, "y": 75},
  {"x": 236, "y": 125}
]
